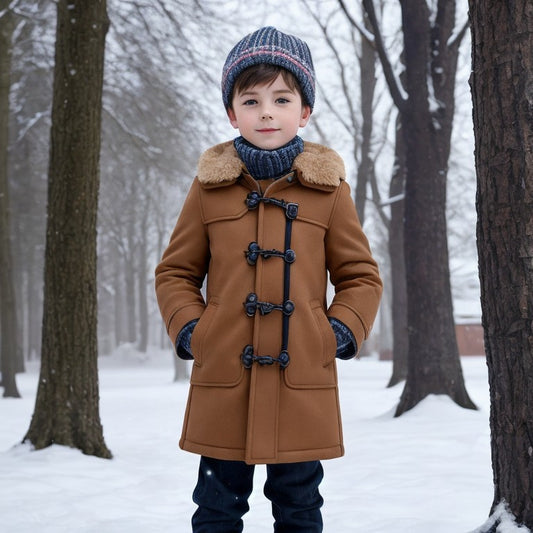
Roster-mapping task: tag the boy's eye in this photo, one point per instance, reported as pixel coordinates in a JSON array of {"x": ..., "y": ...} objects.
[
  {"x": 282, "y": 100},
  {"x": 249, "y": 102}
]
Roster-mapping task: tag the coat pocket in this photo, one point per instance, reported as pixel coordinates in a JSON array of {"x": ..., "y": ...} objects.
[
  {"x": 215, "y": 346},
  {"x": 328, "y": 335},
  {"x": 200, "y": 330},
  {"x": 312, "y": 351}
]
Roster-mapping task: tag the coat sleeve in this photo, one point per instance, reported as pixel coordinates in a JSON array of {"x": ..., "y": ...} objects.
[
  {"x": 183, "y": 267},
  {"x": 353, "y": 271}
]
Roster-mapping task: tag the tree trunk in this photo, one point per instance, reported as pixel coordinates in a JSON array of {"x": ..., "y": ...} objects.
[
  {"x": 365, "y": 171},
  {"x": 119, "y": 299},
  {"x": 502, "y": 91},
  {"x": 67, "y": 404},
  {"x": 34, "y": 318},
  {"x": 400, "y": 344},
  {"x": 433, "y": 361},
  {"x": 8, "y": 310},
  {"x": 142, "y": 278},
  {"x": 427, "y": 116},
  {"x": 130, "y": 274},
  {"x": 129, "y": 288},
  {"x": 426, "y": 113}
]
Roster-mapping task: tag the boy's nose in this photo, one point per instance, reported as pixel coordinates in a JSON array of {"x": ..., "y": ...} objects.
[{"x": 265, "y": 113}]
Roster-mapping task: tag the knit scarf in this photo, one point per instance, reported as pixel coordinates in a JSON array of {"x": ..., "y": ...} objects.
[{"x": 264, "y": 164}]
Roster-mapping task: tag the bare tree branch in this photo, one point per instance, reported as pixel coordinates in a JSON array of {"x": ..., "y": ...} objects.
[
  {"x": 397, "y": 92},
  {"x": 362, "y": 30},
  {"x": 203, "y": 73},
  {"x": 345, "y": 89},
  {"x": 6, "y": 8}
]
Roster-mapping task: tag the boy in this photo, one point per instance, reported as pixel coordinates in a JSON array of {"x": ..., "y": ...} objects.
[{"x": 265, "y": 220}]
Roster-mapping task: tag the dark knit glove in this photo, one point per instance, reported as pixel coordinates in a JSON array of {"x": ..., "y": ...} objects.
[
  {"x": 183, "y": 342},
  {"x": 346, "y": 343}
]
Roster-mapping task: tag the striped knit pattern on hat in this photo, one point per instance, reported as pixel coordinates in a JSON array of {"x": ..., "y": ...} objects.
[{"x": 271, "y": 46}]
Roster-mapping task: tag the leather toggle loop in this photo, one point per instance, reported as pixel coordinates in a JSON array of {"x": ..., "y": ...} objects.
[
  {"x": 254, "y": 197},
  {"x": 290, "y": 208},
  {"x": 254, "y": 251},
  {"x": 248, "y": 358},
  {"x": 252, "y": 304}
]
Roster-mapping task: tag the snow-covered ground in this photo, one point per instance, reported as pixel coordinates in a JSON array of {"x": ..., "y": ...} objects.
[{"x": 427, "y": 471}]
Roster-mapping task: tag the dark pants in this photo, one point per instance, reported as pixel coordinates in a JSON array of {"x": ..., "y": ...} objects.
[{"x": 224, "y": 487}]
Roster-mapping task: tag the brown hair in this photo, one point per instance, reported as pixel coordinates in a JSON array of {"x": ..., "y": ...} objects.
[{"x": 264, "y": 73}]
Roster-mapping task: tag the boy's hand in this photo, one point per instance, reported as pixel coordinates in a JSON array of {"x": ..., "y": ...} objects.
[
  {"x": 183, "y": 342},
  {"x": 346, "y": 343}
]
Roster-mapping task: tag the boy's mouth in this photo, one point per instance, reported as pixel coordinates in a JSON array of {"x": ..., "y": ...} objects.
[{"x": 267, "y": 130}]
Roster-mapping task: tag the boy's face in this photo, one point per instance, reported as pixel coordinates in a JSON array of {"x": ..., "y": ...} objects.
[{"x": 268, "y": 116}]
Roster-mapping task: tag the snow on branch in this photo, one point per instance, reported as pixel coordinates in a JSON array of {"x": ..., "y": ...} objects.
[
  {"x": 11, "y": 6},
  {"x": 138, "y": 138},
  {"x": 360, "y": 27},
  {"x": 29, "y": 12},
  {"x": 344, "y": 82},
  {"x": 29, "y": 125},
  {"x": 392, "y": 200},
  {"x": 457, "y": 36}
]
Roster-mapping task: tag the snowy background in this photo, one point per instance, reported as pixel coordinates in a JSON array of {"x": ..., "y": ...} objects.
[{"x": 427, "y": 471}]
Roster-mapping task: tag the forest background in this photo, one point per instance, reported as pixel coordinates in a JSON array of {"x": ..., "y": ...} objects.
[
  {"x": 403, "y": 125},
  {"x": 162, "y": 107}
]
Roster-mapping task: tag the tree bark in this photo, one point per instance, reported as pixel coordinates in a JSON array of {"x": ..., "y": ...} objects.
[
  {"x": 502, "y": 92},
  {"x": 400, "y": 346},
  {"x": 31, "y": 96},
  {"x": 8, "y": 311},
  {"x": 130, "y": 273},
  {"x": 67, "y": 405},
  {"x": 119, "y": 300},
  {"x": 365, "y": 170},
  {"x": 142, "y": 277},
  {"x": 433, "y": 361},
  {"x": 129, "y": 288},
  {"x": 34, "y": 305},
  {"x": 430, "y": 56}
]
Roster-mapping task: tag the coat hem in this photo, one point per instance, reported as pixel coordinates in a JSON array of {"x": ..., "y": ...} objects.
[{"x": 236, "y": 454}]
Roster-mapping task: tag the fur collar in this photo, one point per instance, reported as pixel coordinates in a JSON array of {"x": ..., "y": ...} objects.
[{"x": 316, "y": 165}]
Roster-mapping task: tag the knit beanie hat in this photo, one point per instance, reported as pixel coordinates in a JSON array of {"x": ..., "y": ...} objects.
[{"x": 268, "y": 45}]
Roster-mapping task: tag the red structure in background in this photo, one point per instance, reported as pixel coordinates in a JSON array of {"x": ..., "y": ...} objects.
[{"x": 469, "y": 341}]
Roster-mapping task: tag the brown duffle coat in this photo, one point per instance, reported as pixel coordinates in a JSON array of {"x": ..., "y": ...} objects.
[{"x": 263, "y": 387}]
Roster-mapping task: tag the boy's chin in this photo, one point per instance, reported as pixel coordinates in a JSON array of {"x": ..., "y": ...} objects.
[{"x": 267, "y": 145}]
